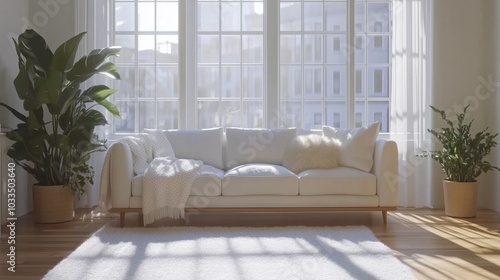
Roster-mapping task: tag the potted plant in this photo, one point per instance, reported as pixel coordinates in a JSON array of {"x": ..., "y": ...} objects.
[
  {"x": 55, "y": 136},
  {"x": 462, "y": 161}
]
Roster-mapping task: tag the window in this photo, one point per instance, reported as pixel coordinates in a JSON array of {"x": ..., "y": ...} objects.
[
  {"x": 377, "y": 117},
  {"x": 359, "y": 82},
  {"x": 373, "y": 61},
  {"x": 377, "y": 81},
  {"x": 207, "y": 63},
  {"x": 317, "y": 118},
  {"x": 336, "y": 120},
  {"x": 336, "y": 82},
  {"x": 149, "y": 64},
  {"x": 336, "y": 44},
  {"x": 359, "y": 119}
]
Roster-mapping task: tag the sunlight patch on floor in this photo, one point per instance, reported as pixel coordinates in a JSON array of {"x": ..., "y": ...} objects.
[{"x": 482, "y": 242}]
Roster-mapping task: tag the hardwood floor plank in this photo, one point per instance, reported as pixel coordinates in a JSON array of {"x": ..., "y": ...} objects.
[{"x": 433, "y": 245}]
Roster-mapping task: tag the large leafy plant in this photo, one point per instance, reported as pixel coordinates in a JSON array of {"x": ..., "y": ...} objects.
[
  {"x": 55, "y": 136},
  {"x": 462, "y": 154}
]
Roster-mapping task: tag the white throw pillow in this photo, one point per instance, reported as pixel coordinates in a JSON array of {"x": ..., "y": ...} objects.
[
  {"x": 311, "y": 152},
  {"x": 357, "y": 145}
]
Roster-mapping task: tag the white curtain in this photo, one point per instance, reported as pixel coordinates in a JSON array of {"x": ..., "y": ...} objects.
[
  {"x": 410, "y": 97},
  {"x": 92, "y": 17},
  {"x": 410, "y": 100}
]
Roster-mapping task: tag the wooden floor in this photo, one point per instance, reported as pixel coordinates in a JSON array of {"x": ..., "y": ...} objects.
[{"x": 432, "y": 245}]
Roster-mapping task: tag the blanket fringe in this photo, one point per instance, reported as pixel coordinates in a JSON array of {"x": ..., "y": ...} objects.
[
  {"x": 160, "y": 213},
  {"x": 102, "y": 211}
]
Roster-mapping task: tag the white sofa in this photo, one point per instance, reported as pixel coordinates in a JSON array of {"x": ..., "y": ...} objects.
[{"x": 242, "y": 172}]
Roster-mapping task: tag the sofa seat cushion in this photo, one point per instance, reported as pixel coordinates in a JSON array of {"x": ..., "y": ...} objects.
[
  {"x": 259, "y": 179},
  {"x": 337, "y": 181},
  {"x": 208, "y": 182}
]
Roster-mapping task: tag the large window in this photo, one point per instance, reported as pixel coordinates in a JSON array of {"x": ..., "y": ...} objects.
[{"x": 209, "y": 63}]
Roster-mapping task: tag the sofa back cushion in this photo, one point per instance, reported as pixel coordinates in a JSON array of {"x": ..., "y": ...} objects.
[
  {"x": 357, "y": 145},
  {"x": 204, "y": 145},
  {"x": 256, "y": 145}
]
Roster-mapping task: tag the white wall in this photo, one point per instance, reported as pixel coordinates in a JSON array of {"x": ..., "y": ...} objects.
[
  {"x": 461, "y": 50},
  {"x": 13, "y": 14},
  {"x": 53, "y": 19}
]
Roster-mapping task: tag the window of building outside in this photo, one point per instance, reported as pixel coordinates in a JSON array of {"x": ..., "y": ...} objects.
[{"x": 227, "y": 65}]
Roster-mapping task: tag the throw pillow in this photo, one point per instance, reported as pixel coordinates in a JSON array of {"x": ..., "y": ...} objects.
[
  {"x": 311, "y": 152},
  {"x": 357, "y": 145}
]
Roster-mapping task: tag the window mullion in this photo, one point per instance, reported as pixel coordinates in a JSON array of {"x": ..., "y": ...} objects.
[
  {"x": 219, "y": 86},
  {"x": 271, "y": 64},
  {"x": 189, "y": 102},
  {"x": 303, "y": 70},
  {"x": 136, "y": 66},
  {"x": 155, "y": 67},
  {"x": 351, "y": 64}
]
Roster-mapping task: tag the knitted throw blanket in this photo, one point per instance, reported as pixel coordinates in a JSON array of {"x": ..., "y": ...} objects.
[{"x": 167, "y": 180}]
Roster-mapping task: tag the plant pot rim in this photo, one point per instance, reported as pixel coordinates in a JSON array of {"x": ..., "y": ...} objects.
[
  {"x": 39, "y": 185},
  {"x": 449, "y": 181}
]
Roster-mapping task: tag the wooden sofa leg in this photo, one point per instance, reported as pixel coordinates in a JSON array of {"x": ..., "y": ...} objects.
[
  {"x": 384, "y": 217},
  {"x": 122, "y": 219}
]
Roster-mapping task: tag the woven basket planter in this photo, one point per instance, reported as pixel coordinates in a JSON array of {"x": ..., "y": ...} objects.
[
  {"x": 53, "y": 204},
  {"x": 460, "y": 199}
]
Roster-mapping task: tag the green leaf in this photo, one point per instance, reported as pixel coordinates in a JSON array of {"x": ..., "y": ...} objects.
[
  {"x": 109, "y": 69},
  {"x": 88, "y": 65},
  {"x": 111, "y": 108},
  {"x": 64, "y": 56},
  {"x": 34, "y": 122},
  {"x": 35, "y": 49},
  {"x": 18, "y": 115},
  {"x": 99, "y": 93},
  {"x": 22, "y": 81}
]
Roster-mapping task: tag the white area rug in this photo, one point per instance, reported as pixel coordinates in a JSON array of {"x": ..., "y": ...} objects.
[{"x": 232, "y": 253}]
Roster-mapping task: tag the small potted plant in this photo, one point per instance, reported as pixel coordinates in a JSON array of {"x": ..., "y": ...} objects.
[
  {"x": 462, "y": 161},
  {"x": 55, "y": 136}
]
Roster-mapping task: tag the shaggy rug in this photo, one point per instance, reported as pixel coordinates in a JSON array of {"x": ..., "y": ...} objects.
[{"x": 231, "y": 253}]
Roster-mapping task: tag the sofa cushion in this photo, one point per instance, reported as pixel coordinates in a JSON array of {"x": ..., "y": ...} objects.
[
  {"x": 204, "y": 145},
  {"x": 338, "y": 181},
  {"x": 256, "y": 145},
  {"x": 208, "y": 182},
  {"x": 259, "y": 179},
  {"x": 357, "y": 145},
  {"x": 311, "y": 152}
]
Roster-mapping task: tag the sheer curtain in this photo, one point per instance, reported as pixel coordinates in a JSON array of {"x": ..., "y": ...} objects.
[
  {"x": 92, "y": 17},
  {"x": 411, "y": 96},
  {"x": 411, "y": 93}
]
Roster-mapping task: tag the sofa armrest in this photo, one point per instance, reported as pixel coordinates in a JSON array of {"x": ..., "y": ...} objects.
[
  {"x": 121, "y": 174},
  {"x": 385, "y": 167}
]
